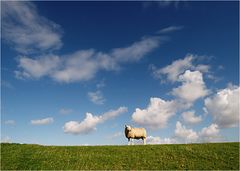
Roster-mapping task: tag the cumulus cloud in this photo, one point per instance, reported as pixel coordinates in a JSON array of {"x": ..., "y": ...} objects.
[
  {"x": 192, "y": 81},
  {"x": 84, "y": 64},
  {"x": 26, "y": 30},
  {"x": 158, "y": 140},
  {"x": 44, "y": 121},
  {"x": 90, "y": 122},
  {"x": 224, "y": 107},
  {"x": 10, "y": 122},
  {"x": 65, "y": 111},
  {"x": 210, "y": 133},
  {"x": 178, "y": 67},
  {"x": 157, "y": 114},
  {"x": 96, "y": 97},
  {"x": 84, "y": 127},
  {"x": 184, "y": 134},
  {"x": 202, "y": 68},
  {"x": 190, "y": 117},
  {"x": 173, "y": 70},
  {"x": 207, "y": 134}
]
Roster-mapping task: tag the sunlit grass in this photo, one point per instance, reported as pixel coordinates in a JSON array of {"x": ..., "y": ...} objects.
[{"x": 223, "y": 156}]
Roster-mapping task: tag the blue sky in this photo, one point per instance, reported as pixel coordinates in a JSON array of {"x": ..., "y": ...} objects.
[{"x": 75, "y": 73}]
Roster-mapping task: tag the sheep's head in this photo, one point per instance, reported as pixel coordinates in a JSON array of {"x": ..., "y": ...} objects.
[{"x": 127, "y": 127}]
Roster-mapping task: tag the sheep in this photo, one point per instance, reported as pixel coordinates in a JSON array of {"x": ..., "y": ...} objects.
[{"x": 135, "y": 133}]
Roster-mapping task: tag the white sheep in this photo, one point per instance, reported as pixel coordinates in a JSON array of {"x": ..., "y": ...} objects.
[{"x": 135, "y": 133}]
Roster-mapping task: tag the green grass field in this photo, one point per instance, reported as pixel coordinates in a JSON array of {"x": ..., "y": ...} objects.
[{"x": 223, "y": 156}]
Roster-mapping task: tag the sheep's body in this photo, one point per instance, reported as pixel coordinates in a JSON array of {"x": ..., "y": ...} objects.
[{"x": 135, "y": 133}]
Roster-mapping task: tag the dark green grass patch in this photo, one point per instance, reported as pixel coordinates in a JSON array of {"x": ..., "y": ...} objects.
[{"x": 217, "y": 156}]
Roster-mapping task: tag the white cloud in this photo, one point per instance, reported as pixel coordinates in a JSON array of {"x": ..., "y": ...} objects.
[
  {"x": 84, "y": 127},
  {"x": 170, "y": 29},
  {"x": 136, "y": 51},
  {"x": 224, "y": 107},
  {"x": 192, "y": 81},
  {"x": 184, "y": 134},
  {"x": 175, "y": 69},
  {"x": 113, "y": 113},
  {"x": 65, "y": 111},
  {"x": 29, "y": 32},
  {"x": 190, "y": 117},
  {"x": 207, "y": 134},
  {"x": 202, "y": 68},
  {"x": 10, "y": 122},
  {"x": 26, "y": 30},
  {"x": 178, "y": 67},
  {"x": 157, "y": 114},
  {"x": 36, "y": 68},
  {"x": 90, "y": 122},
  {"x": 158, "y": 140},
  {"x": 210, "y": 134},
  {"x": 44, "y": 121},
  {"x": 84, "y": 64},
  {"x": 79, "y": 66},
  {"x": 96, "y": 97}
]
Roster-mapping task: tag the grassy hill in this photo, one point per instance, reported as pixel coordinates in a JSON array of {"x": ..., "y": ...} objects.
[{"x": 223, "y": 156}]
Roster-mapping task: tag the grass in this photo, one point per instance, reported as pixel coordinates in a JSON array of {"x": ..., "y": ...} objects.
[{"x": 217, "y": 156}]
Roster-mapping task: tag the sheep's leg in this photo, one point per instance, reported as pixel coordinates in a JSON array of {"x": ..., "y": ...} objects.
[
  {"x": 132, "y": 142},
  {"x": 144, "y": 141},
  {"x": 129, "y": 141}
]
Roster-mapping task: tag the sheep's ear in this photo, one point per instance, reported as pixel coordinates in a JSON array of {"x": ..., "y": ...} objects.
[{"x": 125, "y": 126}]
